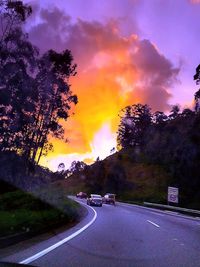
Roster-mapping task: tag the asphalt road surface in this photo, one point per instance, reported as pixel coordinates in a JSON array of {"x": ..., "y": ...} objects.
[{"x": 121, "y": 235}]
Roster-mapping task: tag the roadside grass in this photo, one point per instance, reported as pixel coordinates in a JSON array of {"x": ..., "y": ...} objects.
[{"x": 22, "y": 212}]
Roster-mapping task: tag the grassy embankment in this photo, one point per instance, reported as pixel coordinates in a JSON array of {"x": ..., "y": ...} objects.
[{"x": 22, "y": 212}]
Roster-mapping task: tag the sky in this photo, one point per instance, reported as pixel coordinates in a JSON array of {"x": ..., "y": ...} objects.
[{"x": 127, "y": 52}]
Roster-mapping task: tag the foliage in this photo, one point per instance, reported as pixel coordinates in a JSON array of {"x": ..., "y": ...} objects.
[
  {"x": 35, "y": 95},
  {"x": 61, "y": 167},
  {"x": 77, "y": 166},
  {"x": 134, "y": 123},
  {"x": 172, "y": 142},
  {"x": 197, "y": 94},
  {"x": 13, "y": 170}
]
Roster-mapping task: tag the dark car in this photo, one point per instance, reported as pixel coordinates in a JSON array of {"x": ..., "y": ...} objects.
[
  {"x": 109, "y": 198},
  {"x": 95, "y": 200},
  {"x": 81, "y": 195}
]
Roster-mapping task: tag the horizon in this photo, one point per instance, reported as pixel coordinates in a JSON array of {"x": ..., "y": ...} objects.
[{"x": 140, "y": 52}]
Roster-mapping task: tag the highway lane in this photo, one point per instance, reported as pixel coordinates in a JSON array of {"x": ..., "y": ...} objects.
[{"x": 124, "y": 235}]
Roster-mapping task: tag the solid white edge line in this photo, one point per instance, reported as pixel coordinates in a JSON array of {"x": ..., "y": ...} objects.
[
  {"x": 49, "y": 249},
  {"x": 153, "y": 223}
]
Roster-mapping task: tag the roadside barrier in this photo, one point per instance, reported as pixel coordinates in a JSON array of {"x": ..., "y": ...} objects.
[{"x": 173, "y": 208}]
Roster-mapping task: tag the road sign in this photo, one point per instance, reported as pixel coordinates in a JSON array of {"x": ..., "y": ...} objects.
[{"x": 172, "y": 194}]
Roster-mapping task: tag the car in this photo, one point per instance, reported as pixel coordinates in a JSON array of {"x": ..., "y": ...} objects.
[
  {"x": 95, "y": 200},
  {"x": 109, "y": 198},
  {"x": 81, "y": 195}
]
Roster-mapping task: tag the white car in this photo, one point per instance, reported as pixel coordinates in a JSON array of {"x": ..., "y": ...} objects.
[{"x": 95, "y": 200}]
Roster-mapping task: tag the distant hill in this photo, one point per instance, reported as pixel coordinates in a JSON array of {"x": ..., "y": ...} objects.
[{"x": 125, "y": 174}]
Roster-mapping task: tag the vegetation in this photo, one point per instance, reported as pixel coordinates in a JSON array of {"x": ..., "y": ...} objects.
[
  {"x": 123, "y": 173},
  {"x": 35, "y": 99},
  {"x": 135, "y": 121},
  {"x": 157, "y": 150},
  {"x": 35, "y": 94},
  {"x": 23, "y": 213},
  {"x": 15, "y": 170}
]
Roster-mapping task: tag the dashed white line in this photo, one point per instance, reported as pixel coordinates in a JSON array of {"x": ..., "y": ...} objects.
[
  {"x": 153, "y": 223},
  {"x": 58, "y": 244}
]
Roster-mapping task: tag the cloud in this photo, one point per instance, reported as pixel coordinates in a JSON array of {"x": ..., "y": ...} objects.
[
  {"x": 156, "y": 76},
  {"x": 195, "y": 1},
  {"x": 114, "y": 70},
  {"x": 100, "y": 147}
]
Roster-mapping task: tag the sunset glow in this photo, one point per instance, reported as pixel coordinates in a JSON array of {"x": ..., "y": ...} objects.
[{"x": 117, "y": 65}]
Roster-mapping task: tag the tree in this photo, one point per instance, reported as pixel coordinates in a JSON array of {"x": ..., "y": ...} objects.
[
  {"x": 77, "y": 166},
  {"x": 12, "y": 14},
  {"x": 61, "y": 167},
  {"x": 159, "y": 119},
  {"x": 18, "y": 58},
  {"x": 134, "y": 123},
  {"x": 187, "y": 113},
  {"x": 197, "y": 94},
  {"x": 35, "y": 94},
  {"x": 197, "y": 101},
  {"x": 174, "y": 113},
  {"x": 54, "y": 99}
]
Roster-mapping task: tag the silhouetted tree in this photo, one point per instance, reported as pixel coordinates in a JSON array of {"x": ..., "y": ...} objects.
[
  {"x": 17, "y": 86},
  {"x": 61, "y": 167},
  {"x": 197, "y": 94},
  {"x": 174, "y": 113},
  {"x": 187, "y": 113},
  {"x": 35, "y": 94},
  {"x": 54, "y": 99},
  {"x": 135, "y": 120},
  {"x": 159, "y": 119},
  {"x": 77, "y": 166},
  {"x": 12, "y": 14}
]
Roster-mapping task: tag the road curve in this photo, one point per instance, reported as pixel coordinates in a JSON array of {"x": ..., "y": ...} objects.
[{"x": 122, "y": 235}]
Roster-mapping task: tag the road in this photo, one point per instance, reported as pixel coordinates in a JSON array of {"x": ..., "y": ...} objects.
[{"x": 121, "y": 235}]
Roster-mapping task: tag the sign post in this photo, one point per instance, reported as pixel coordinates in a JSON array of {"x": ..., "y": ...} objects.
[{"x": 172, "y": 194}]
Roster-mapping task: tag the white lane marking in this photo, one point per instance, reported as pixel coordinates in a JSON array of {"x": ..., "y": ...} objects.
[
  {"x": 49, "y": 249},
  {"x": 153, "y": 223},
  {"x": 175, "y": 239}
]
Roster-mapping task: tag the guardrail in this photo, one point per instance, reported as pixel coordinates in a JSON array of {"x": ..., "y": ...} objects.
[{"x": 168, "y": 207}]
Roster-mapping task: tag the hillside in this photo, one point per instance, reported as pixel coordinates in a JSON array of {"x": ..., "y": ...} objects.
[
  {"x": 125, "y": 174},
  {"x": 157, "y": 151}
]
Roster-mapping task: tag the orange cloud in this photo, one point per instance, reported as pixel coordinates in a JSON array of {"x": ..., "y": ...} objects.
[{"x": 113, "y": 71}]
